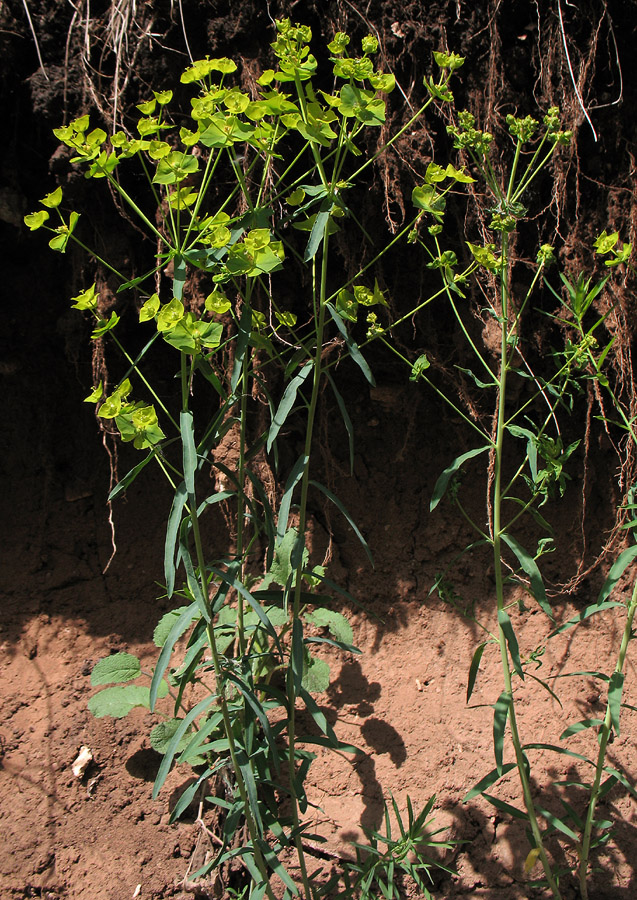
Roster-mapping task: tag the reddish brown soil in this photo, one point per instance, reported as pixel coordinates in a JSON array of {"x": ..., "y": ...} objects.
[{"x": 402, "y": 701}]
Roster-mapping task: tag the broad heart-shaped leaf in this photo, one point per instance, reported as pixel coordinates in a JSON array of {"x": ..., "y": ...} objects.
[
  {"x": 282, "y": 567},
  {"x": 118, "y": 701},
  {"x": 162, "y": 735},
  {"x": 335, "y": 621},
  {"x": 115, "y": 669},
  {"x": 316, "y": 677}
]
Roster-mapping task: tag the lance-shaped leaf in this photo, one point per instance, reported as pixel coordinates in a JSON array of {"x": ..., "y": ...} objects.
[
  {"x": 529, "y": 565},
  {"x": 443, "y": 481}
]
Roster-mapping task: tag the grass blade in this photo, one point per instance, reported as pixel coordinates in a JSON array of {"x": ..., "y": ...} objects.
[
  {"x": 166, "y": 762},
  {"x": 584, "y": 614},
  {"x": 346, "y": 421},
  {"x": 443, "y": 481},
  {"x": 318, "y": 230},
  {"x": 286, "y": 501},
  {"x": 615, "y": 688},
  {"x": 189, "y": 451},
  {"x": 506, "y": 807},
  {"x": 172, "y": 531},
  {"x": 183, "y": 622},
  {"x": 512, "y": 642},
  {"x": 344, "y": 512},
  {"x": 474, "y": 668},
  {"x": 352, "y": 346},
  {"x": 287, "y": 402},
  {"x": 580, "y": 726},
  {"x": 529, "y": 565},
  {"x": 501, "y": 714},
  {"x": 128, "y": 479},
  {"x": 616, "y": 571},
  {"x": 557, "y": 823},
  {"x": 243, "y": 340},
  {"x": 487, "y": 781}
]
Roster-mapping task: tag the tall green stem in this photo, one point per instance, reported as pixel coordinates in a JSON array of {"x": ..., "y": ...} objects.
[
  {"x": 604, "y": 737},
  {"x": 521, "y": 762},
  {"x": 219, "y": 675}
]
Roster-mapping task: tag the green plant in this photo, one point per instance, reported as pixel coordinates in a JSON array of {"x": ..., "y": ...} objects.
[
  {"x": 235, "y": 658},
  {"x": 382, "y": 864},
  {"x": 578, "y": 304},
  {"x": 516, "y": 490}
]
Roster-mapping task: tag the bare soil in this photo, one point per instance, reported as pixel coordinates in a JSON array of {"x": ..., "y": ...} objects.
[{"x": 401, "y": 701}]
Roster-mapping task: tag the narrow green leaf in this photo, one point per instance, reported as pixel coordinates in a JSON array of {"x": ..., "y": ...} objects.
[
  {"x": 546, "y": 687},
  {"x": 243, "y": 341},
  {"x": 346, "y": 421},
  {"x": 512, "y": 642},
  {"x": 277, "y": 867},
  {"x": 619, "y": 776},
  {"x": 443, "y": 481},
  {"x": 506, "y": 807},
  {"x": 615, "y": 688},
  {"x": 321, "y": 741},
  {"x": 164, "y": 626},
  {"x": 186, "y": 426},
  {"x": 195, "y": 746},
  {"x": 616, "y": 571},
  {"x": 189, "y": 793},
  {"x": 352, "y": 346},
  {"x": 251, "y": 788},
  {"x": 580, "y": 726},
  {"x": 172, "y": 532},
  {"x": 474, "y": 668},
  {"x": 260, "y": 713},
  {"x": 287, "y": 402},
  {"x": 344, "y": 512},
  {"x": 180, "y": 624},
  {"x": 529, "y": 565},
  {"x": 318, "y": 716},
  {"x": 179, "y": 264},
  {"x": 169, "y": 755},
  {"x": 573, "y": 814},
  {"x": 557, "y": 823},
  {"x": 191, "y": 576},
  {"x": 584, "y": 614},
  {"x": 488, "y": 781},
  {"x": 501, "y": 714},
  {"x": 317, "y": 234},
  {"x": 228, "y": 578},
  {"x": 561, "y": 750},
  {"x": 297, "y": 656},
  {"x": 128, "y": 479},
  {"x": 286, "y": 501}
]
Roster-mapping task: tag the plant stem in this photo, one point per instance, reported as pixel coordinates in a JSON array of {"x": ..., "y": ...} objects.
[
  {"x": 521, "y": 761},
  {"x": 604, "y": 736}
]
